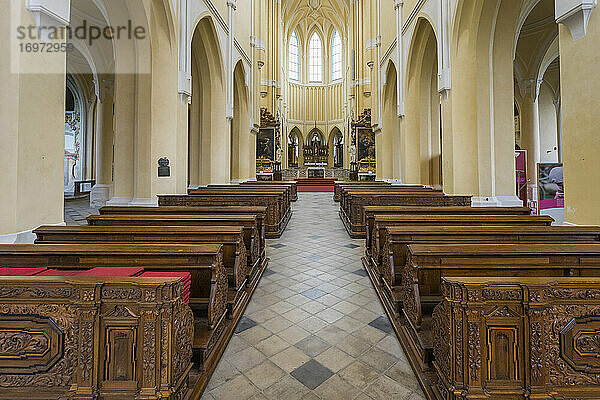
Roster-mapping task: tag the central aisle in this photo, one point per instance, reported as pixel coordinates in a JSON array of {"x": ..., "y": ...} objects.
[{"x": 314, "y": 328}]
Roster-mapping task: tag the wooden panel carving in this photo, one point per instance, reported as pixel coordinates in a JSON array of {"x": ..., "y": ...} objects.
[
  {"x": 29, "y": 344},
  {"x": 121, "y": 343},
  {"x": 516, "y": 346},
  {"x": 51, "y": 347}
]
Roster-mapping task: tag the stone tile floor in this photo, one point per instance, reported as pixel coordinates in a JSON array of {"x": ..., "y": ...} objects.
[
  {"x": 314, "y": 328},
  {"x": 76, "y": 211}
]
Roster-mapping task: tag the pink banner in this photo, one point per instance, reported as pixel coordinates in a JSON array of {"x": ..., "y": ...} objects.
[{"x": 552, "y": 203}]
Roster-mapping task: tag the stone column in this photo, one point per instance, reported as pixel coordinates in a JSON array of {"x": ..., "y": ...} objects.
[
  {"x": 231, "y": 7},
  {"x": 102, "y": 191},
  {"x": 33, "y": 126},
  {"x": 399, "y": 7}
]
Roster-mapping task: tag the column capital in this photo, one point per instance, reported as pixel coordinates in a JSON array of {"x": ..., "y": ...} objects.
[
  {"x": 50, "y": 13},
  {"x": 102, "y": 86},
  {"x": 530, "y": 86},
  {"x": 398, "y": 4},
  {"x": 575, "y": 15},
  {"x": 232, "y": 4}
]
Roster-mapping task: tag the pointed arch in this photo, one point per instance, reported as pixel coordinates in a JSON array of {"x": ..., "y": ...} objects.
[
  {"x": 209, "y": 148},
  {"x": 422, "y": 142},
  {"x": 295, "y": 148},
  {"x": 315, "y": 134},
  {"x": 240, "y": 126},
  {"x": 389, "y": 141},
  {"x": 336, "y": 148}
]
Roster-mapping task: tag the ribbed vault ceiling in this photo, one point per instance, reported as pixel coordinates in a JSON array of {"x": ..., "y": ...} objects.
[{"x": 315, "y": 11}]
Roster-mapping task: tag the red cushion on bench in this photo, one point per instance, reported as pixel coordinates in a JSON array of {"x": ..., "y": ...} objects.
[
  {"x": 98, "y": 271},
  {"x": 56, "y": 272},
  {"x": 187, "y": 280},
  {"x": 113, "y": 271},
  {"x": 8, "y": 271}
]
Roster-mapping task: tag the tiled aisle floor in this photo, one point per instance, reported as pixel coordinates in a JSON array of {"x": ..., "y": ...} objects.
[
  {"x": 76, "y": 211},
  {"x": 314, "y": 328}
]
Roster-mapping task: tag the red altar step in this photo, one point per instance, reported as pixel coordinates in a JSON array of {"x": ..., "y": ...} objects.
[{"x": 315, "y": 185}]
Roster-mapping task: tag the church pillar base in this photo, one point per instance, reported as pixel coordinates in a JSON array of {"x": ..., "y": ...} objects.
[
  {"x": 144, "y": 202},
  {"x": 25, "y": 237},
  {"x": 393, "y": 181},
  {"x": 100, "y": 195},
  {"x": 496, "y": 201}
]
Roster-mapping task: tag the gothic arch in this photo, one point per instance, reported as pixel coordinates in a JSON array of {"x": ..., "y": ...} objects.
[
  {"x": 209, "y": 148},
  {"x": 421, "y": 142},
  {"x": 336, "y": 148},
  {"x": 296, "y": 146},
  {"x": 240, "y": 158}
]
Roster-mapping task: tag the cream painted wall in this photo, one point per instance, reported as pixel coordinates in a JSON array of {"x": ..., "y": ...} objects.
[
  {"x": 580, "y": 62},
  {"x": 388, "y": 23}
]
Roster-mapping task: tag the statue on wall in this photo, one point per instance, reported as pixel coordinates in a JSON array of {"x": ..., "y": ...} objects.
[{"x": 352, "y": 153}]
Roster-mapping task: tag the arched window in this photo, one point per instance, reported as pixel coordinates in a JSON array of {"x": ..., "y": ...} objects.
[
  {"x": 294, "y": 53},
  {"x": 336, "y": 57},
  {"x": 315, "y": 51}
]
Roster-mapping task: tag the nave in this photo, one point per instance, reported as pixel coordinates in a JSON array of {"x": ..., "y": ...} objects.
[{"x": 314, "y": 328}]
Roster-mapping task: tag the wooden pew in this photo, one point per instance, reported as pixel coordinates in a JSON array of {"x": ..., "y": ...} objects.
[
  {"x": 208, "y": 299},
  {"x": 284, "y": 192},
  {"x": 520, "y": 338},
  {"x": 90, "y": 337},
  {"x": 353, "y": 214},
  {"x": 428, "y": 264},
  {"x": 246, "y": 221},
  {"x": 259, "y": 189},
  {"x": 347, "y": 192},
  {"x": 259, "y": 211},
  {"x": 292, "y": 184},
  {"x": 371, "y": 211},
  {"x": 338, "y": 185},
  {"x": 276, "y": 218},
  {"x": 235, "y": 257},
  {"x": 352, "y": 199},
  {"x": 382, "y": 222},
  {"x": 394, "y": 255}
]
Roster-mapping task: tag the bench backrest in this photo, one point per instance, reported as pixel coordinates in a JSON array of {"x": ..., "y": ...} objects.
[{"x": 204, "y": 262}]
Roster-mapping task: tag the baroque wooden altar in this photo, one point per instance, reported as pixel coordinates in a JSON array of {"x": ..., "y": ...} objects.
[
  {"x": 363, "y": 140},
  {"x": 268, "y": 142}
]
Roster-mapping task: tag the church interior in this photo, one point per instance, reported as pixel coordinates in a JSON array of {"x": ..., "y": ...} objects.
[{"x": 206, "y": 199}]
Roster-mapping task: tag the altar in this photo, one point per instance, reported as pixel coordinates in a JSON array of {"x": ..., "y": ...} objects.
[{"x": 316, "y": 170}]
